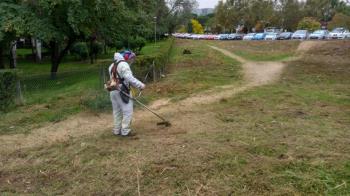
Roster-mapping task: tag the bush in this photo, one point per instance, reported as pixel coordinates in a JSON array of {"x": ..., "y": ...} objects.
[
  {"x": 309, "y": 23},
  {"x": 143, "y": 62},
  {"x": 80, "y": 50},
  {"x": 8, "y": 81},
  {"x": 339, "y": 20}
]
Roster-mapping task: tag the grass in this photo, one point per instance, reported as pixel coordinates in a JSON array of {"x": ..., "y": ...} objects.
[
  {"x": 261, "y": 50},
  {"x": 78, "y": 88},
  {"x": 286, "y": 138},
  {"x": 152, "y": 48},
  {"x": 188, "y": 74}
]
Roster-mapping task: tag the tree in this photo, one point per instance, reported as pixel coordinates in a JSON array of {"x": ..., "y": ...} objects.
[
  {"x": 309, "y": 23},
  {"x": 60, "y": 23},
  {"x": 197, "y": 27},
  {"x": 179, "y": 13},
  {"x": 289, "y": 13},
  {"x": 182, "y": 29},
  {"x": 12, "y": 24},
  {"x": 339, "y": 20},
  {"x": 259, "y": 27}
]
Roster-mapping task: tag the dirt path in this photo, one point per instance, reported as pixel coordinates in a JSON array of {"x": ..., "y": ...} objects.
[
  {"x": 181, "y": 113},
  {"x": 308, "y": 45}
]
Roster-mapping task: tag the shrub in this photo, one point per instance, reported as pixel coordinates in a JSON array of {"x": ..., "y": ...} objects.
[
  {"x": 80, "y": 50},
  {"x": 8, "y": 81},
  {"x": 309, "y": 23},
  {"x": 339, "y": 20},
  {"x": 143, "y": 62}
]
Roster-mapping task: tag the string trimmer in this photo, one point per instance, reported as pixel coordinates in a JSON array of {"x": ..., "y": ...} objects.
[{"x": 164, "y": 122}]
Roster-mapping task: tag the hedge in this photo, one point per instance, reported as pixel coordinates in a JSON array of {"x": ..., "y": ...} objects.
[
  {"x": 143, "y": 63},
  {"x": 8, "y": 80}
]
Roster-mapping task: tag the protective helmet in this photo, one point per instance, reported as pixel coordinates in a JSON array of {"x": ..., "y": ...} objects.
[{"x": 128, "y": 55}]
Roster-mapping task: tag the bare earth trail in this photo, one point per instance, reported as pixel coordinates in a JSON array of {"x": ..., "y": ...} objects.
[{"x": 180, "y": 113}]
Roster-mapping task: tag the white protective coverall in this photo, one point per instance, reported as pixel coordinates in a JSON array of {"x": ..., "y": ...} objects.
[{"x": 122, "y": 112}]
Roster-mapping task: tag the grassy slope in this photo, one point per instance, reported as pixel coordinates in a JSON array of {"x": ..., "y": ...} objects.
[
  {"x": 192, "y": 73},
  {"x": 47, "y": 100},
  {"x": 286, "y": 138},
  {"x": 261, "y": 50},
  {"x": 291, "y": 137}
]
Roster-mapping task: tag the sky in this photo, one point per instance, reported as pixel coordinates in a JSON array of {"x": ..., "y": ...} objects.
[{"x": 207, "y": 3}]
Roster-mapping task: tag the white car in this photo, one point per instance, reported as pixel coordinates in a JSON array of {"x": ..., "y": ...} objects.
[
  {"x": 249, "y": 36},
  {"x": 271, "y": 36},
  {"x": 319, "y": 34},
  {"x": 300, "y": 34},
  {"x": 339, "y": 33}
]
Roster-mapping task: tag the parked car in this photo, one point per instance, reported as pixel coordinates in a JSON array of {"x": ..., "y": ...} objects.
[
  {"x": 273, "y": 30},
  {"x": 319, "y": 34},
  {"x": 259, "y": 36},
  {"x": 285, "y": 36},
  {"x": 223, "y": 37},
  {"x": 339, "y": 33},
  {"x": 271, "y": 36},
  {"x": 249, "y": 36},
  {"x": 300, "y": 34},
  {"x": 210, "y": 37},
  {"x": 236, "y": 36}
]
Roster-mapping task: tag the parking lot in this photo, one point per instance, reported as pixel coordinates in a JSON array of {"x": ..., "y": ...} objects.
[{"x": 273, "y": 34}]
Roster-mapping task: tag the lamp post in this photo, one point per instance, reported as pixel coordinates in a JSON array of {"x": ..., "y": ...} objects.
[{"x": 155, "y": 31}]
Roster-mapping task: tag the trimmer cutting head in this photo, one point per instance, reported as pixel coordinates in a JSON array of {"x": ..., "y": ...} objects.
[{"x": 165, "y": 123}]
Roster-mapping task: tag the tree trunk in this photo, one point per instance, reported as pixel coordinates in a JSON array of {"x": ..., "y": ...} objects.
[
  {"x": 13, "y": 55},
  {"x": 54, "y": 59},
  {"x": 38, "y": 56},
  {"x": 2, "y": 65},
  {"x": 36, "y": 49},
  {"x": 32, "y": 39},
  {"x": 105, "y": 47},
  {"x": 91, "y": 52},
  {"x": 57, "y": 55}
]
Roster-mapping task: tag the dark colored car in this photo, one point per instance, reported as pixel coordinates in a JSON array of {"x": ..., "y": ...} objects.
[
  {"x": 236, "y": 36},
  {"x": 285, "y": 36}
]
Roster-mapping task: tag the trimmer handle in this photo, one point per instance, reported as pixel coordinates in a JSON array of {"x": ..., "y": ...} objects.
[{"x": 140, "y": 93}]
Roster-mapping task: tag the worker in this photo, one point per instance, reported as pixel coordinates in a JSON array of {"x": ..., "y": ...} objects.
[{"x": 122, "y": 104}]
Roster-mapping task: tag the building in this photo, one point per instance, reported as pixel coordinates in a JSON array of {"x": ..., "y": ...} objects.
[{"x": 204, "y": 11}]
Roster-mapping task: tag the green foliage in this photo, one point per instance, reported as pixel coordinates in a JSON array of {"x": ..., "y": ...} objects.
[
  {"x": 282, "y": 13},
  {"x": 309, "y": 23},
  {"x": 182, "y": 29},
  {"x": 8, "y": 80},
  {"x": 136, "y": 44},
  {"x": 339, "y": 20},
  {"x": 160, "y": 58},
  {"x": 80, "y": 50}
]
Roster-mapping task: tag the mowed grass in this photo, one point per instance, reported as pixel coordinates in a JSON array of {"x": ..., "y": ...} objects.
[
  {"x": 260, "y": 50},
  {"x": 78, "y": 88},
  {"x": 287, "y": 138}
]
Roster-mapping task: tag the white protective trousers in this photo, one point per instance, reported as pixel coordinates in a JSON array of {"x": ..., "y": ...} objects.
[{"x": 122, "y": 114}]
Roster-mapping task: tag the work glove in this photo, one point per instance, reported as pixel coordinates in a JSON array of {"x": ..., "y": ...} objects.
[{"x": 143, "y": 87}]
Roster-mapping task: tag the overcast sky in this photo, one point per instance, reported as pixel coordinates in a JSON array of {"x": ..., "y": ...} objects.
[{"x": 207, "y": 3}]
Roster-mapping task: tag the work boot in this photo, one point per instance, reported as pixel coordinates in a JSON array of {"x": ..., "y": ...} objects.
[
  {"x": 130, "y": 134},
  {"x": 116, "y": 131}
]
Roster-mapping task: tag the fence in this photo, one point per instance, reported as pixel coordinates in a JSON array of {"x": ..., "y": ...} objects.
[{"x": 40, "y": 88}]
